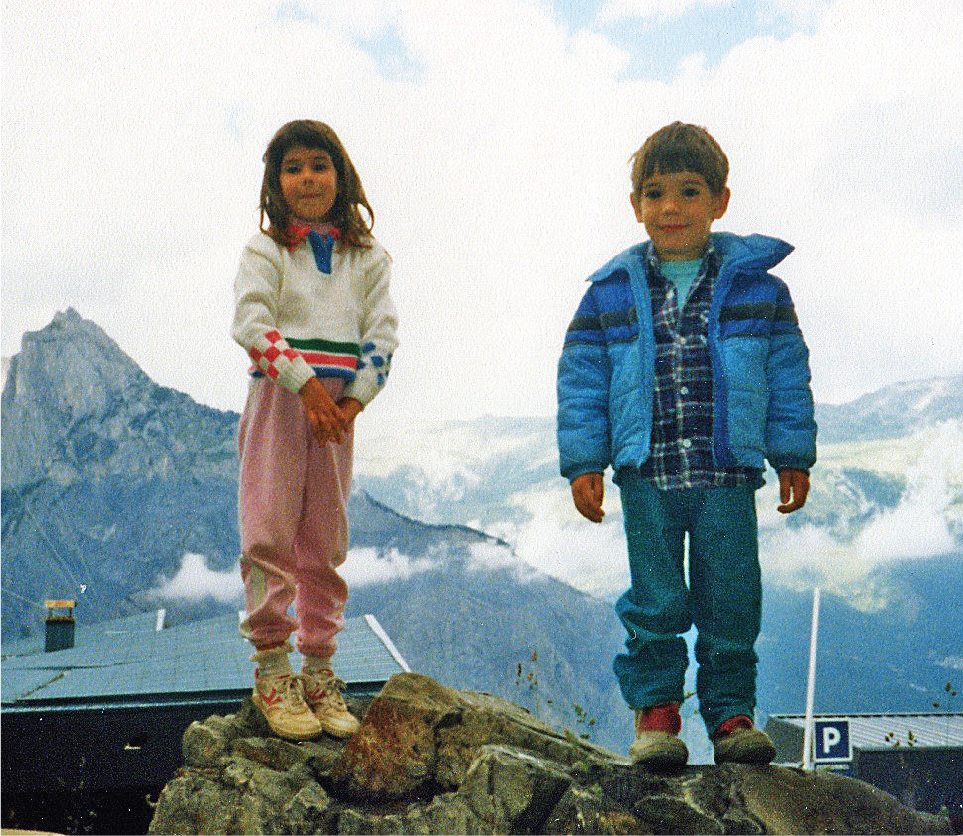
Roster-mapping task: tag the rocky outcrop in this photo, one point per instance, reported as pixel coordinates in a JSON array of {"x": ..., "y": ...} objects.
[{"x": 432, "y": 759}]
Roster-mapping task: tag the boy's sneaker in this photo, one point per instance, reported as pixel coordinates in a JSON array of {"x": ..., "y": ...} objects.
[
  {"x": 737, "y": 741},
  {"x": 657, "y": 743},
  {"x": 322, "y": 692},
  {"x": 281, "y": 700}
]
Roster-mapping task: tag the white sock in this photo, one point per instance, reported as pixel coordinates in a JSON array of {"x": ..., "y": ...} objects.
[{"x": 273, "y": 662}]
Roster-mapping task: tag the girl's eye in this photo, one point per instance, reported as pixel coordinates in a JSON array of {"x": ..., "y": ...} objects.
[{"x": 291, "y": 169}]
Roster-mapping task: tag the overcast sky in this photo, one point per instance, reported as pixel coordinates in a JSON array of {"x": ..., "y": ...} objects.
[{"x": 493, "y": 141}]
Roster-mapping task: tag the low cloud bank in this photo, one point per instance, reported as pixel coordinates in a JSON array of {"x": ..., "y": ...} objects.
[
  {"x": 368, "y": 565},
  {"x": 194, "y": 581},
  {"x": 918, "y": 527}
]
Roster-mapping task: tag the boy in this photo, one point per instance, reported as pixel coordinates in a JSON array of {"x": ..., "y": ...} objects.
[{"x": 684, "y": 369}]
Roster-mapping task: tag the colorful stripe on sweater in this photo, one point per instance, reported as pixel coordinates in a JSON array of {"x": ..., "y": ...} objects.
[{"x": 326, "y": 357}]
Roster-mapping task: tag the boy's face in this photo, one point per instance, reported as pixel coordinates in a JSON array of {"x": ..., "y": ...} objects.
[
  {"x": 309, "y": 182},
  {"x": 678, "y": 210}
]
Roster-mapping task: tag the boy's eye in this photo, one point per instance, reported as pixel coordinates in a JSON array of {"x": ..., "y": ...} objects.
[
  {"x": 652, "y": 194},
  {"x": 690, "y": 191}
]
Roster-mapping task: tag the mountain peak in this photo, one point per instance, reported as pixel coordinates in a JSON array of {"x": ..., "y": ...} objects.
[
  {"x": 82, "y": 340},
  {"x": 74, "y": 402},
  {"x": 69, "y": 316}
]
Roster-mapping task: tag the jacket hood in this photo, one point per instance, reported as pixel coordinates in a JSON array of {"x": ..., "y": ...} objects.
[{"x": 759, "y": 252}]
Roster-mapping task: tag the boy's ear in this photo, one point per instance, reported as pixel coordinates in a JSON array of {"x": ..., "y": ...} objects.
[
  {"x": 722, "y": 203},
  {"x": 636, "y": 206}
]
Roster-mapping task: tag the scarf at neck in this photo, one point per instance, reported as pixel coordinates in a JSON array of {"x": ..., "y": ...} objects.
[{"x": 320, "y": 236}]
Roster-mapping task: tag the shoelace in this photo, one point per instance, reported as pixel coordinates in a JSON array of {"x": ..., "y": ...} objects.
[
  {"x": 330, "y": 684},
  {"x": 291, "y": 691}
]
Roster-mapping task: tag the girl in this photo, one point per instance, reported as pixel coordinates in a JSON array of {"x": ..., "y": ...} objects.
[{"x": 313, "y": 312}]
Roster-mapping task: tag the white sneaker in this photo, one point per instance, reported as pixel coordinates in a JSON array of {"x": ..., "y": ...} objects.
[
  {"x": 281, "y": 700},
  {"x": 280, "y": 695},
  {"x": 322, "y": 693}
]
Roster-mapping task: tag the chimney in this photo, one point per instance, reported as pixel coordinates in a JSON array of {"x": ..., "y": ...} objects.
[{"x": 60, "y": 628}]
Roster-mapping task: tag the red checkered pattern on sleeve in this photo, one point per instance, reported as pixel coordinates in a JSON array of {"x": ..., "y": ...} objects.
[{"x": 268, "y": 351}]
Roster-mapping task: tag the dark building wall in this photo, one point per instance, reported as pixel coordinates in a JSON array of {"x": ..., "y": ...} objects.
[
  {"x": 924, "y": 779},
  {"x": 95, "y": 749}
]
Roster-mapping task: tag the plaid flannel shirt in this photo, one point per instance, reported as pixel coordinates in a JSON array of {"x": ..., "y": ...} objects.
[{"x": 681, "y": 446}]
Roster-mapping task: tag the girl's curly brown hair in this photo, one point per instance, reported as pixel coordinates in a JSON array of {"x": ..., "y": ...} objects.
[{"x": 346, "y": 212}]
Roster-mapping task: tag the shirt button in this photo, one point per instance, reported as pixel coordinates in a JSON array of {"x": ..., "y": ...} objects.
[
  {"x": 683, "y": 390},
  {"x": 687, "y": 443}
]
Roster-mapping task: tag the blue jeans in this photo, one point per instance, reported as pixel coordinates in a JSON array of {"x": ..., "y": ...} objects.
[{"x": 723, "y": 598}]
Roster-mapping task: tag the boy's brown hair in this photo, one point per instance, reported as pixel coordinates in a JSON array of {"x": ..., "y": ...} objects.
[
  {"x": 680, "y": 147},
  {"x": 345, "y": 214}
]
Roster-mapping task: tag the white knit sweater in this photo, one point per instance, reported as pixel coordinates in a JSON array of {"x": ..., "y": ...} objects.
[{"x": 297, "y": 322}]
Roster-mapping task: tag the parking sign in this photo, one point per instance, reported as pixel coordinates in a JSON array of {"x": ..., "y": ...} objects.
[{"x": 832, "y": 742}]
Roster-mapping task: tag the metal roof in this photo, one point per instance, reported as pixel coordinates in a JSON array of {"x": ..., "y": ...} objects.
[
  {"x": 883, "y": 731},
  {"x": 88, "y": 634},
  {"x": 128, "y": 661}
]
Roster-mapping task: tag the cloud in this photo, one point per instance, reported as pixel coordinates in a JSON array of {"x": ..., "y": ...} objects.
[
  {"x": 498, "y": 172},
  {"x": 194, "y": 581},
  {"x": 918, "y": 527},
  {"x": 587, "y": 556},
  {"x": 492, "y": 556},
  {"x": 367, "y": 565},
  {"x": 555, "y": 540},
  {"x": 614, "y": 11}
]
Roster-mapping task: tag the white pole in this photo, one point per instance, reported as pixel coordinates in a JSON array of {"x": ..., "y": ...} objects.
[{"x": 807, "y": 754}]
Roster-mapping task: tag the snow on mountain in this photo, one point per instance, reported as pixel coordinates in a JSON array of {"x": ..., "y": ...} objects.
[{"x": 894, "y": 411}]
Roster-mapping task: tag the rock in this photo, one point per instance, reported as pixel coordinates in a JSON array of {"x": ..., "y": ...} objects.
[
  {"x": 433, "y": 759},
  {"x": 308, "y": 811},
  {"x": 417, "y": 733},
  {"x": 583, "y": 811},
  {"x": 513, "y": 790},
  {"x": 393, "y": 754},
  {"x": 791, "y": 800}
]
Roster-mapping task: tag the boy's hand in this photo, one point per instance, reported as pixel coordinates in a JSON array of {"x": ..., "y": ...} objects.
[
  {"x": 793, "y": 485},
  {"x": 588, "y": 491},
  {"x": 350, "y": 409},
  {"x": 327, "y": 420}
]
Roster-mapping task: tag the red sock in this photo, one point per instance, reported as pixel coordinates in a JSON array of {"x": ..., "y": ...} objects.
[
  {"x": 663, "y": 717},
  {"x": 740, "y": 721}
]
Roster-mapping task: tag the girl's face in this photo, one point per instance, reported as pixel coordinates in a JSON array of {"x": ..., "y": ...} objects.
[{"x": 309, "y": 183}]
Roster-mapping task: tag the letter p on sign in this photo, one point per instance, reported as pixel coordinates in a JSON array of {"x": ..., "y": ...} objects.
[
  {"x": 832, "y": 741},
  {"x": 831, "y": 737}
]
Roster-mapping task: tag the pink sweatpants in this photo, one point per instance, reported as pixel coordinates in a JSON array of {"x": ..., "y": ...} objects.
[{"x": 293, "y": 510}]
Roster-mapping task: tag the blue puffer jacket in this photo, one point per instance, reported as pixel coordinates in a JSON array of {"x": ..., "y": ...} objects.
[{"x": 763, "y": 405}]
